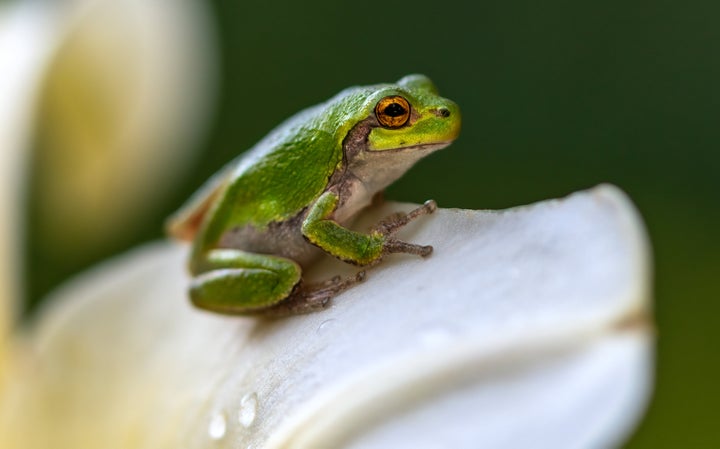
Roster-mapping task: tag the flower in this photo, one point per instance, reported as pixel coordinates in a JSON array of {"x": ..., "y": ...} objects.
[{"x": 525, "y": 328}]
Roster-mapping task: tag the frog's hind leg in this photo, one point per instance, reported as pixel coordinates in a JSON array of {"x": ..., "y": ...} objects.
[
  {"x": 239, "y": 282},
  {"x": 313, "y": 297}
]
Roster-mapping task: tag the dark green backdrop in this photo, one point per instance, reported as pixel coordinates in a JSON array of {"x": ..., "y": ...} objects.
[{"x": 556, "y": 95}]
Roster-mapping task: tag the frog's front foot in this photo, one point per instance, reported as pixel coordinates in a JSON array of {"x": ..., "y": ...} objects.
[
  {"x": 390, "y": 225},
  {"x": 398, "y": 246}
]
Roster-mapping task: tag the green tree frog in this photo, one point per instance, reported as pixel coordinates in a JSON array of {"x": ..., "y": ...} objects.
[{"x": 269, "y": 213}]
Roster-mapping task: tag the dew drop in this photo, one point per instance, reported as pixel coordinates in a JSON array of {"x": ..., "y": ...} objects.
[
  {"x": 218, "y": 426},
  {"x": 325, "y": 325},
  {"x": 248, "y": 409}
]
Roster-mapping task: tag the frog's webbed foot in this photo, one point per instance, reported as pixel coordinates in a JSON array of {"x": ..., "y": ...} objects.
[
  {"x": 391, "y": 224},
  {"x": 308, "y": 298}
]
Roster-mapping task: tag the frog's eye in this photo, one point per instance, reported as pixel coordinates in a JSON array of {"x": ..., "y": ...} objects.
[{"x": 393, "y": 111}]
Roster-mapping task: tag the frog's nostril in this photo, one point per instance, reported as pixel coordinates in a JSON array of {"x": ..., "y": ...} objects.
[{"x": 443, "y": 112}]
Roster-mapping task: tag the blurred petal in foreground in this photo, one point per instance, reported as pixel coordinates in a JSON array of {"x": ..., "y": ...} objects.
[
  {"x": 27, "y": 33},
  {"x": 126, "y": 95},
  {"x": 526, "y": 328},
  {"x": 113, "y": 95}
]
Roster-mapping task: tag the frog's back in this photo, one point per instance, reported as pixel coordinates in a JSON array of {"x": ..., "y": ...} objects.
[
  {"x": 272, "y": 181},
  {"x": 276, "y": 179}
]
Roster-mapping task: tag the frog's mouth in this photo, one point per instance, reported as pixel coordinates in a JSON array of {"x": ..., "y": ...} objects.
[
  {"x": 423, "y": 147},
  {"x": 359, "y": 141}
]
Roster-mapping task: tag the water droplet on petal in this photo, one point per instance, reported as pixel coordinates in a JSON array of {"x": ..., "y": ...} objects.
[
  {"x": 325, "y": 325},
  {"x": 218, "y": 426},
  {"x": 248, "y": 409}
]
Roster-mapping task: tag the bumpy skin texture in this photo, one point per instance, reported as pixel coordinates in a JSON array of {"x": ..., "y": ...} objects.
[{"x": 264, "y": 216}]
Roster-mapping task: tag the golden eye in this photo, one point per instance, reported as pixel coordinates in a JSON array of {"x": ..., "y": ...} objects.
[{"x": 392, "y": 112}]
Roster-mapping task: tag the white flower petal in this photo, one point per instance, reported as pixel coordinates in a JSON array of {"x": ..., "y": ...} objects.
[{"x": 526, "y": 325}]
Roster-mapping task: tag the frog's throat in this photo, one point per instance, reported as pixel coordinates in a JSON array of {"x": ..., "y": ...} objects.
[{"x": 365, "y": 172}]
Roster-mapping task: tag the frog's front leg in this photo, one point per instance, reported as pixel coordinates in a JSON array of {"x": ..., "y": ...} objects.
[
  {"x": 355, "y": 247},
  {"x": 239, "y": 282}
]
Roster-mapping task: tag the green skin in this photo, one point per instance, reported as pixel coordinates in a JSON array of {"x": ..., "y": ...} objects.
[{"x": 277, "y": 207}]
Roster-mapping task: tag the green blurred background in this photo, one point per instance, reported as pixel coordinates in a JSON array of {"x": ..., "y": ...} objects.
[{"x": 556, "y": 95}]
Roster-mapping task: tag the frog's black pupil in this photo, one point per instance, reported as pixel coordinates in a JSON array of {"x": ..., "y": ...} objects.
[{"x": 395, "y": 110}]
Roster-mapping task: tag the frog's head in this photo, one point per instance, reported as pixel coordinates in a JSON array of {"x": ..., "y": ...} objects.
[
  {"x": 397, "y": 125},
  {"x": 410, "y": 115}
]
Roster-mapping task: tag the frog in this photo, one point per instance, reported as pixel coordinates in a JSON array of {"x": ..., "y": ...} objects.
[{"x": 265, "y": 217}]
